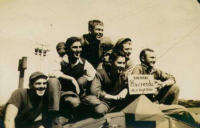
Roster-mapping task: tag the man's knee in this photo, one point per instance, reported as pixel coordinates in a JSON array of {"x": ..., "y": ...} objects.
[
  {"x": 74, "y": 102},
  {"x": 101, "y": 109},
  {"x": 91, "y": 100},
  {"x": 82, "y": 81},
  {"x": 53, "y": 84},
  {"x": 169, "y": 95},
  {"x": 174, "y": 89}
]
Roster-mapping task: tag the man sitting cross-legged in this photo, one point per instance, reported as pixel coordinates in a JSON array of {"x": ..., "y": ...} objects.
[{"x": 168, "y": 91}]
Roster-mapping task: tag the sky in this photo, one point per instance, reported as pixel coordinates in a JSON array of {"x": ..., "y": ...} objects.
[{"x": 169, "y": 27}]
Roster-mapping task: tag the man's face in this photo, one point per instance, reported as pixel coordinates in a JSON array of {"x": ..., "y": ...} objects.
[
  {"x": 106, "y": 60},
  {"x": 127, "y": 49},
  {"x": 61, "y": 50},
  {"x": 150, "y": 59},
  {"x": 119, "y": 65},
  {"x": 98, "y": 31},
  {"x": 75, "y": 50},
  {"x": 40, "y": 86}
]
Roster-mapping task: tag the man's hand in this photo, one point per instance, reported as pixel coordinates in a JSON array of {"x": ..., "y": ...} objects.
[
  {"x": 122, "y": 94},
  {"x": 51, "y": 75},
  {"x": 41, "y": 126},
  {"x": 159, "y": 84},
  {"x": 11, "y": 113},
  {"x": 75, "y": 83},
  {"x": 110, "y": 97}
]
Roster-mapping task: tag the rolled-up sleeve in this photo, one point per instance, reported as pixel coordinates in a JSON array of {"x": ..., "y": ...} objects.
[
  {"x": 165, "y": 76},
  {"x": 89, "y": 71},
  {"x": 16, "y": 98},
  {"x": 96, "y": 85}
]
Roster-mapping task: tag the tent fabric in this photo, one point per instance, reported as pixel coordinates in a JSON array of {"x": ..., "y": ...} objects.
[
  {"x": 116, "y": 119},
  {"x": 141, "y": 113},
  {"x": 144, "y": 109},
  {"x": 171, "y": 109},
  {"x": 180, "y": 113},
  {"x": 165, "y": 116}
]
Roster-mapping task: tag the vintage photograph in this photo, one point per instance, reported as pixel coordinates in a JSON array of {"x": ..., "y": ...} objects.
[{"x": 99, "y": 64}]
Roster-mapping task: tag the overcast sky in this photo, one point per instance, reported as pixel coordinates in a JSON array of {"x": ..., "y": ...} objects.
[{"x": 170, "y": 27}]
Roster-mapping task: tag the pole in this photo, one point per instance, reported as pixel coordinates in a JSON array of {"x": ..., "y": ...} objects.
[{"x": 22, "y": 66}]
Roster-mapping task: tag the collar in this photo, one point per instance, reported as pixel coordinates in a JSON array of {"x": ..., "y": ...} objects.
[
  {"x": 91, "y": 39},
  {"x": 79, "y": 61},
  {"x": 146, "y": 69},
  {"x": 66, "y": 61},
  {"x": 65, "y": 58}
]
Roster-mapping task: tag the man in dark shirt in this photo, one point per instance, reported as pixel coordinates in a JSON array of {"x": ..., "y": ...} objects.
[
  {"x": 109, "y": 86},
  {"x": 168, "y": 91},
  {"x": 26, "y": 105},
  {"x": 95, "y": 45}
]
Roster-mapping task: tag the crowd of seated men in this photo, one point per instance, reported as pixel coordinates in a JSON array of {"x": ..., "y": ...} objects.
[{"x": 92, "y": 80}]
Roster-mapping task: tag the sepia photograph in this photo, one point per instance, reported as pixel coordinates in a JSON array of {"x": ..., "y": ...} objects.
[{"x": 99, "y": 64}]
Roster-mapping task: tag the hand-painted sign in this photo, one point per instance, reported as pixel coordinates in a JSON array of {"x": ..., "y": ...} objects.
[{"x": 141, "y": 84}]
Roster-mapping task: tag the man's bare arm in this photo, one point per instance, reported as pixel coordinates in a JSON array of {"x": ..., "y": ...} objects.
[{"x": 11, "y": 113}]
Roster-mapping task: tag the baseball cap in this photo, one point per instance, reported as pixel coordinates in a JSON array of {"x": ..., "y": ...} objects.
[{"x": 35, "y": 75}]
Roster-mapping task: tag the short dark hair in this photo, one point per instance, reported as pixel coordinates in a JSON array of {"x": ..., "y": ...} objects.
[
  {"x": 70, "y": 41},
  {"x": 143, "y": 53},
  {"x": 93, "y": 23},
  {"x": 114, "y": 55},
  {"x": 59, "y": 44}
]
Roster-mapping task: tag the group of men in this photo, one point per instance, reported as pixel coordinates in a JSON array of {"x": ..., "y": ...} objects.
[{"x": 92, "y": 80}]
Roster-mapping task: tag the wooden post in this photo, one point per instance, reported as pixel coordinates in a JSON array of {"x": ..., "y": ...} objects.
[{"x": 22, "y": 66}]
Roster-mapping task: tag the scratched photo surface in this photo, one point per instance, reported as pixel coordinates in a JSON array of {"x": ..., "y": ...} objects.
[{"x": 169, "y": 27}]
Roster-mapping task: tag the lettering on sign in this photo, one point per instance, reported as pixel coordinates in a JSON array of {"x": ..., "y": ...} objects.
[{"x": 141, "y": 84}]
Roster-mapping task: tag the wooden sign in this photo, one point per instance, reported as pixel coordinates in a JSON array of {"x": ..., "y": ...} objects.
[{"x": 141, "y": 84}]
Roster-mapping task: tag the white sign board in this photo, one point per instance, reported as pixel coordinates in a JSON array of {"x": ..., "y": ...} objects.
[{"x": 141, "y": 84}]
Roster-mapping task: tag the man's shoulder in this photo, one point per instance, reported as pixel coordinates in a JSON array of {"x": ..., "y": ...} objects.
[
  {"x": 138, "y": 66},
  {"x": 20, "y": 91},
  {"x": 130, "y": 64},
  {"x": 85, "y": 35},
  {"x": 106, "y": 40},
  {"x": 85, "y": 38},
  {"x": 18, "y": 96},
  {"x": 101, "y": 71},
  {"x": 101, "y": 74},
  {"x": 138, "y": 69}
]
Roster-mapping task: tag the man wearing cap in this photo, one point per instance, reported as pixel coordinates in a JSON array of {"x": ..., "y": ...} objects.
[
  {"x": 109, "y": 85},
  {"x": 168, "y": 91},
  {"x": 95, "y": 45},
  {"x": 25, "y": 106},
  {"x": 125, "y": 45}
]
